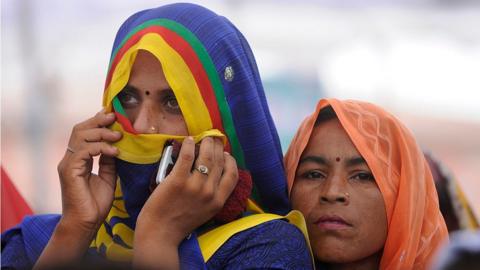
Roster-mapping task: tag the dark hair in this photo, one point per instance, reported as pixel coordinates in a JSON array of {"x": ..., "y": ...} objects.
[{"x": 325, "y": 114}]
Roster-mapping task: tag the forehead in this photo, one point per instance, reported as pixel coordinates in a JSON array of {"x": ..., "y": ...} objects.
[
  {"x": 145, "y": 62},
  {"x": 330, "y": 138}
]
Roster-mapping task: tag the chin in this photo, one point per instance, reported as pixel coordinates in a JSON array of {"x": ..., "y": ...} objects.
[
  {"x": 331, "y": 252},
  {"x": 332, "y": 257},
  {"x": 335, "y": 251}
]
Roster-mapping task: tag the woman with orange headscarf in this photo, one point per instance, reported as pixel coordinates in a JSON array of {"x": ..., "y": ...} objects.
[{"x": 365, "y": 189}]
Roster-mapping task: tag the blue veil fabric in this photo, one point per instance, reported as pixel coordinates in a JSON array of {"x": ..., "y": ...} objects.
[{"x": 246, "y": 99}]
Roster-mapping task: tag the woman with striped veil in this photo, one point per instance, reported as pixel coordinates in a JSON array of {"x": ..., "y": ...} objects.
[{"x": 181, "y": 75}]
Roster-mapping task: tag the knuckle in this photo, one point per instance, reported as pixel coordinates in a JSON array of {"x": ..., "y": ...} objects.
[
  {"x": 190, "y": 190},
  {"x": 218, "y": 203},
  {"x": 187, "y": 157},
  {"x": 220, "y": 162},
  {"x": 207, "y": 140},
  {"x": 76, "y": 128},
  {"x": 99, "y": 114},
  {"x": 61, "y": 167},
  {"x": 208, "y": 195},
  {"x": 177, "y": 186},
  {"x": 233, "y": 174},
  {"x": 208, "y": 157}
]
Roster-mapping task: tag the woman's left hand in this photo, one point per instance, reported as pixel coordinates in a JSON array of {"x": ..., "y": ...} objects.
[{"x": 185, "y": 200}]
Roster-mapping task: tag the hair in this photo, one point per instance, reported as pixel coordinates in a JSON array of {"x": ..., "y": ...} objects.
[{"x": 325, "y": 114}]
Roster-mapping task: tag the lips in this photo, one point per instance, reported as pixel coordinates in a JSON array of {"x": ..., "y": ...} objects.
[{"x": 332, "y": 222}]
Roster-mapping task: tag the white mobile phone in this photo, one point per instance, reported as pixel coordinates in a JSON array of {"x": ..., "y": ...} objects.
[{"x": 166, "y": 164}]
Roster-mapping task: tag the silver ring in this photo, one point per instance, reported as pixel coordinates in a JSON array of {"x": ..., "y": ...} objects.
[
  {"x": 69, "y": 149},
  {"x": 202, "y": 169}
]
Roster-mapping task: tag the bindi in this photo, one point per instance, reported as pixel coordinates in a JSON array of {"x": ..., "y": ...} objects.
[
  {"x": 147, "y": 93},
  {"x": 337, "y": 159}
]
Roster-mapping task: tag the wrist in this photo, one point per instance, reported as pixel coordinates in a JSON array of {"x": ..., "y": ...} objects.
[
  {"x": 69, "y": 240},
  {"x": 148, "y": 231},
  {"x": 70, "y": 229}
]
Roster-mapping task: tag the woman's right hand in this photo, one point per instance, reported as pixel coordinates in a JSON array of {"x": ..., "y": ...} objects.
[{"x": 87, "y": 197}]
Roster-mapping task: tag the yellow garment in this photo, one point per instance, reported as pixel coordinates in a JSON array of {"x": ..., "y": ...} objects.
[
  {"x": 147, "y": 148},
  {"x": 209, "y": 242}
]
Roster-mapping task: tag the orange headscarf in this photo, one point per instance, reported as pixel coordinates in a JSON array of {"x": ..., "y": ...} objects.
[{"x": 415, "y": 225}]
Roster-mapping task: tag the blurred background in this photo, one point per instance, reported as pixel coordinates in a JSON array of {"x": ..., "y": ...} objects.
[{"x": 419, "y": 59}]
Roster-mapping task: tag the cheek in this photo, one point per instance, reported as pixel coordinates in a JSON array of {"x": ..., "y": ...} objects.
[
  {"x": 171, "y": 124},
  {"x": 373, "y": 222},
  {"x": 302, "y": 198}
]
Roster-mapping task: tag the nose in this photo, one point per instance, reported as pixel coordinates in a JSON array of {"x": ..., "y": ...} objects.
[
  {"x": 147, "y": 120},
  {"x": 334, "y": 191}
]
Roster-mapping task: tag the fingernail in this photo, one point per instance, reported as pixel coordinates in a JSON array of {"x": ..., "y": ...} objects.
[
  {"x": 226, "y": 153},
  {"x": 189, "y": 139},
  {"x": 110, "y": 115}
]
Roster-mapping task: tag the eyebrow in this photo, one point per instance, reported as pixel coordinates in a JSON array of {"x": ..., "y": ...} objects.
[
  {"x": 132, "y": 88},
  {"x": 129, "y": 88},
  {"x": 355, "y": 161},
  {"x": 315, "y": 159},
  {"x": 323, "y": 161}
]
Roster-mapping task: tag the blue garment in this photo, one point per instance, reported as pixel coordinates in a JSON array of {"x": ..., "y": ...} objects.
[
  {"x": 276, "y": 244},
  {"x": 272, "y": 245},
  {"x": 245, "y": 97}
]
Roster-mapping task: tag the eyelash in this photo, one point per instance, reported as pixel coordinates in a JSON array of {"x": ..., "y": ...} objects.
[
  {"x": 361, "y": 176},
  {"x": 168, "y": 99},
  {"x": 122, "y": 96},
  {"x": 125, "y": 96},
  {"x": 309, "y": 174}
]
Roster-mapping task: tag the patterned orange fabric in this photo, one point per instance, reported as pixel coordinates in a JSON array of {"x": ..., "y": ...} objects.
[{"x": 415, "y": 225}]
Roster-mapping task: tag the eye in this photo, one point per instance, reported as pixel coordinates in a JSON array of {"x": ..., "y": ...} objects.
[
  {"x": 171, "y": 103},
  {"x": 313, "y": 174},
  {"x": 363, "y": 176},
  {"x": 128, "y": 99}
]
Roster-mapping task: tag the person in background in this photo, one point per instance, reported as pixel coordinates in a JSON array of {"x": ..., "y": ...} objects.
[
  {"x": 184, "y": 75},
  {"x": 463, "y": 252},
  {"x": 369, "y": 200},
  {"x": 454, "y": 205}
]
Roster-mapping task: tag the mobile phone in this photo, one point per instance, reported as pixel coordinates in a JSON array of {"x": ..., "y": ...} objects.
[
  {"x": 166, "y": 163},
  {"x": 168, "y": 159}
]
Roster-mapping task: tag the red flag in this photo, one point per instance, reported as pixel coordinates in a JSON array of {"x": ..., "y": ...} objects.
[{"x": 14, "y": 207}]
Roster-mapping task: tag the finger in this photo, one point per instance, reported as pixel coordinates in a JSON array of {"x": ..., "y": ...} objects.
[
  {"x": 185, "y": 159},
  {"x": 106, "y": 170},
  {"x": 101, "y": 119},
  {"x": 218, "y": 163},
  {"x": 94, "y": 149},
  {"x": 99, "y": 134},
  {"x": 229, "y": 178},
  {"x": 206, "y": 154}
]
